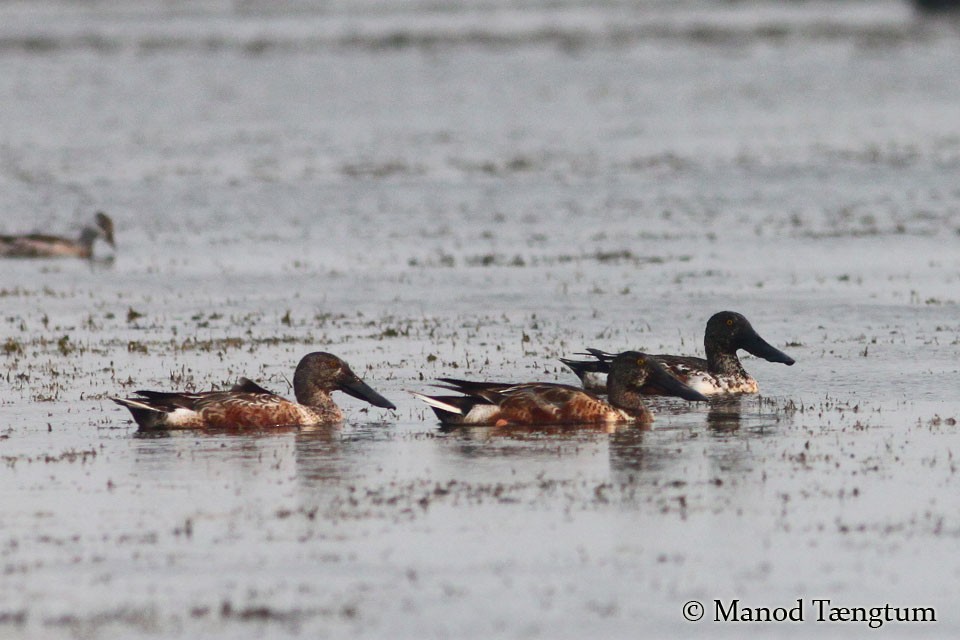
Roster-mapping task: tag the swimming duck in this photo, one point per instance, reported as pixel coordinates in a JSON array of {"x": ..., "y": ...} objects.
[
  {"x": 720, "y": 373},
  {"x": 38, "y": 245},
  {"x": 247, "y": 404},
  {"x": 544, "y": 403}
]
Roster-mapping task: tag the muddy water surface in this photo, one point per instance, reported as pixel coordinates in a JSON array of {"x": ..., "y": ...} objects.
[{"x": 477, "y": 192}]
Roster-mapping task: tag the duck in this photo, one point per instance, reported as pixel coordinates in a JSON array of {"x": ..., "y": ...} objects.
[
  {"x": 39, "y": 245},
  {"x": 247, "y": 404},
  {"x": 501, "y": 404},
  {"x": 720, "y": 373}
]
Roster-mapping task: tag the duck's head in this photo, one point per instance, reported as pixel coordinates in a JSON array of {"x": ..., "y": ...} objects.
[
  {"x": 730, "y": 331},
  {"x": 636, "y": 370},
  {"x": 105, "y": 227},
  {"x": 324, "y": 373}
]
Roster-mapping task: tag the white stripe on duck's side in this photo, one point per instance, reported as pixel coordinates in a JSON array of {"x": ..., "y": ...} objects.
[
  {"x": 478, "y": 414},
  {"x": 595, "y": 381},
  {"x": 710, "y": 384},
  {"x": 721, "y": 372}
]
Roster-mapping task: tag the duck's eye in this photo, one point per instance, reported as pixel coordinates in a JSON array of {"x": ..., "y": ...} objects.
[
  {"x": 729, "y": 322},
  {"x": 641, "y": 361}
]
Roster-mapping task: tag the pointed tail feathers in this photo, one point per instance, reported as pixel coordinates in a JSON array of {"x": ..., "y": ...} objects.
[
  {"x": 144, "y": 414},
  {"x": 440, "y": 404}
]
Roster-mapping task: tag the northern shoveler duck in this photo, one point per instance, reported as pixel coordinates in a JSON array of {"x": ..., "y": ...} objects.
[
  {"x": 247, "y": 404},
  {"x": 543, "y": 403},
  {"x": 38, "y": 245},
  {"x": 720, "y": 373}
]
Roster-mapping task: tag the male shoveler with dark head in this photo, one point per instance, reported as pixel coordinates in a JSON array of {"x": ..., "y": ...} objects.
[
  {"x": 39, "y": 245},
  {"x": 249, "y": 405},
  {"x": 543, "y": 403},
  {"x": 720, "y": 373}
]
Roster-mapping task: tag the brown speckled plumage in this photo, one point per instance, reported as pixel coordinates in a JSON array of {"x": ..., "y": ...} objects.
[
  {"x": 250, "y": 405},
  {"x": 543, "y": 403},
  {"x": 719, "y": 373}
]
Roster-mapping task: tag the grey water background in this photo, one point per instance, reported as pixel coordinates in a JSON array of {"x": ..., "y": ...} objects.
[{"x": 475, "y": 189}]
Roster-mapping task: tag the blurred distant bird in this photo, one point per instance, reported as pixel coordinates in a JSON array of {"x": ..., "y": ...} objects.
[{"x": 38, "y": 245}]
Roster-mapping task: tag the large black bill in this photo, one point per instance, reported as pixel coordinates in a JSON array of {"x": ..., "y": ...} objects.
[
  {"x": 762, "y": 349},
  {"x": 360, "y": 389},
  {"x": 667, "y": 385}
]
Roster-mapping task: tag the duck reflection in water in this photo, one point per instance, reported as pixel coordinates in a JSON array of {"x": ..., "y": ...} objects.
[{"x": 725, "y": 414}]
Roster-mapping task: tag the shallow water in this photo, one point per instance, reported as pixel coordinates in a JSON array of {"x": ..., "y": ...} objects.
[{"x": 476, "y": 192}]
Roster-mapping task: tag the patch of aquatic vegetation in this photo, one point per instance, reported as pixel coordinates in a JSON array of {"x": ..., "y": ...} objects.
[
  {"x": 45, "y": 292},
  {"x": 64, "y": 345},
  {"x": 12, "y": 346},
  {"x": 70, "y": 456},
  {"x": 412, "y": 499},
  {"x": 562, "y": 34},
  {"x": 613, "y": 257},
  {"x": 937, "y": 422}
]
